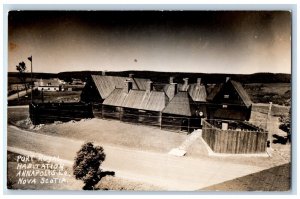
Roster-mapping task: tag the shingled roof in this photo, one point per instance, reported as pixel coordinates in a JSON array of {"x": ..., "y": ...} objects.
[
  {"x": 106, "y": 84},
  {"x": 243, "y": 94},
  {"x": 216, "y": 89},
  {"x": 138, "y": 99},
  {"x": 183, "y": 87},
  {"x": 156, "y": 101},
  {"x": 197, "y": 92},
  {"x": 239, "y": 89},
  {"x": 179, "y": 105},
  {"x": 116, "y": 98},
  {"x": 135, "y": 99}
]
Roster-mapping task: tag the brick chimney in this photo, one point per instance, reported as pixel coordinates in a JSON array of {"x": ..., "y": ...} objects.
[
  {"x": 127, "y": 86},
  {"x": 149, "y": 87},
  {"x": 171, "y": 80},
  {"x": 130, "y": 75},
  {"x": 103, "y": 72},
  {"x": 199, "y": 81},
  {"x": 186, "y": 81}
]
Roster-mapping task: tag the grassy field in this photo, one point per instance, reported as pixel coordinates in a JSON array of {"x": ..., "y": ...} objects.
[
  {"x": 18, "y": 117},
  {"x": 55, "y": 96},
  {"x": 276, "y": 110},
  {"x": 278, "y": 93},
  {"x": 65, "y": 96}
]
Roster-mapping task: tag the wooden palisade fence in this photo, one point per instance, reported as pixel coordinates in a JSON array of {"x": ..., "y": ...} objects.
[
  {"x": 233, "y": 141},
  {"x": 51, "y": 112}
]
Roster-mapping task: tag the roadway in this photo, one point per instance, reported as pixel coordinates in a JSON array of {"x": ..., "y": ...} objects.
[{"x": 164, "y": 170}]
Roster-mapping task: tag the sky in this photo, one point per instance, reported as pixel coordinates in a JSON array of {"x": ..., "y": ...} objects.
[{"x": 237, "y": 42}]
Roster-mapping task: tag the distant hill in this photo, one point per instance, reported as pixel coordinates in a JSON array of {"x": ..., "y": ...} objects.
[
  {"x": 163, "y": 77},
  {"x": 13, "y": 77}
]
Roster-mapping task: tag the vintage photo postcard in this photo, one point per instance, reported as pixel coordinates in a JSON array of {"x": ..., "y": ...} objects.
[{"x": 149, "y": 100}]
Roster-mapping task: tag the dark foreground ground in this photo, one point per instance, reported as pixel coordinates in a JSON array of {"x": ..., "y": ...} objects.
[{"x": 274, "y": 179}]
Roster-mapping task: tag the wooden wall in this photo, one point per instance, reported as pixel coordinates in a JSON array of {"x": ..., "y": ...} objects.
[
  {"x": 234, "y": 142},
  {"x": 50, "y": 112},
  {"x": 112, "y": 112},
  {"x": 130, "y": 115},
  {"x": 150, "y": 118},
  {"x": 175, "y": 122},
  {"x": 97, "y": 110}
]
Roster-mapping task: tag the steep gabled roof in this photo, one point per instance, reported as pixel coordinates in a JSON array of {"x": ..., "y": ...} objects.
[
  {"x": 214, "y": 92},
  {"x": 183, "y": 87},
  {"x": 152, "y": 101},
  {"x": 179, "y": 105},
  {"x": 106, "y": 84},
  {"x": 135, "y": 99},
  {"x": 237, "y": 86},
  {"x": 116, "y": 98},
  {"x": 197, "y": 92},
  {"x": 242, "y": 93},
  {"x": 156, "y": 101},
  {"x": 141, "y": 83}
]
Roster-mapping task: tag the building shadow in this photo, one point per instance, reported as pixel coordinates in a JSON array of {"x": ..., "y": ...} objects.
[{"x": 279, "y": 139}]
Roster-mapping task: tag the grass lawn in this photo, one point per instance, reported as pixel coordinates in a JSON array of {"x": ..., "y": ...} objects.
[
  {"x": 278, "y": 93},
  {"x": 66, "y": 96},
  {"x": 54, "y": 96},
  {"x": 18, "y": 117}
]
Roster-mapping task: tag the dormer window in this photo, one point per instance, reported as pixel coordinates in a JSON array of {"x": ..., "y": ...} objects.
[{"x": 226, "y": 96}]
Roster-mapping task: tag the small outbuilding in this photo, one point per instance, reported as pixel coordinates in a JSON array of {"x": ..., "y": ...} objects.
[{"x": 49, "y": 84}]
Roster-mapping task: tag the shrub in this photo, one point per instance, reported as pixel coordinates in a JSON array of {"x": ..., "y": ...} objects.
[{"x": 87, "y": 165}]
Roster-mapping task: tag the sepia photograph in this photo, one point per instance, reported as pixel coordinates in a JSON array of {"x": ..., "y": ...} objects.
[{"x": 149, "y": 100}]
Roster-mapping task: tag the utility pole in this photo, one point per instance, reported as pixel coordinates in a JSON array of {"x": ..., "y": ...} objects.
[{"x": 30, "y": 59}]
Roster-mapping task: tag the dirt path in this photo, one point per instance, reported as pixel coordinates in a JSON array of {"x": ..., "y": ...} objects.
[{"x": 163, "y": 170}]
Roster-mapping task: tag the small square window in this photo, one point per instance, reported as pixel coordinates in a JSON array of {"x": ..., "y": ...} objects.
[
  {"x": 226, "y": 96},
  {"x": 224, "y": 106}
]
